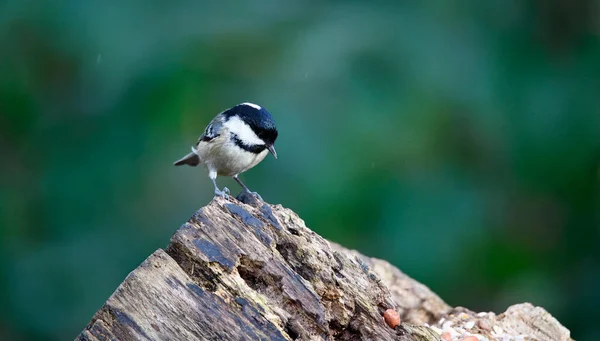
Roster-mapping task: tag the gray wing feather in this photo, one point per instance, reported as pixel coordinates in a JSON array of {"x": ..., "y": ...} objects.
[{"x": 213, "y": 129}]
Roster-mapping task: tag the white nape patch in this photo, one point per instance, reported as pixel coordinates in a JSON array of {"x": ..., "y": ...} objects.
[
  {"x": 243, "y": 131},
  {"x": 255, "y": 106}
]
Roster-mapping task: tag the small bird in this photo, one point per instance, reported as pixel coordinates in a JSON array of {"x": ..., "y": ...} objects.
[{"x": 236, "y": 140}]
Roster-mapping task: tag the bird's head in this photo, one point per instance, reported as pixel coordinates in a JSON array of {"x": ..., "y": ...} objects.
[{"x": 253, "y": 127}]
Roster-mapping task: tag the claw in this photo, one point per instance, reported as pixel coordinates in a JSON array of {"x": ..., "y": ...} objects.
[
  {"x": 223, "y": 194},
  {"x": 250, "y": 198},
  {"x": 257, "y": 196}
]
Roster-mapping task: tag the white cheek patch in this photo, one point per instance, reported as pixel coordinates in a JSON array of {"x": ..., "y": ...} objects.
[
  {"x": 255, "y": 106},
  {"x": 243, "y": 131}
]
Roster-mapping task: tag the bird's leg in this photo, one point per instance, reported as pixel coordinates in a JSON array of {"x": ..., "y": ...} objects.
[
  {"x": 222, "y": 193},
  {"x": 225, "y": 192},
  {"x": 246, "y": 188}
]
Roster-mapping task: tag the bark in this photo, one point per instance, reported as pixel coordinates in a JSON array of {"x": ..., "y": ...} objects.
[{"x": 256, "y": 272}]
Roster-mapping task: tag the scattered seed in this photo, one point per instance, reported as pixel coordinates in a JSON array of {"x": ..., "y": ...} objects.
[
  {"x": 392, "y": 318},
  {"x": 483, "y": 324},
  {"x": 446, "y": 336},
  {"x": 463, "y": 316},
  {"x": 498, "y": 330},
  {"x": 453, "y": 332},
  {"x": 447, "y": 324},
  {"x": 469, "y": 325},
  {"x": 469, "y": 338}
]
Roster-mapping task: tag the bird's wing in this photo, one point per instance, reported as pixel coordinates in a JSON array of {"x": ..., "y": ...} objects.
[{"x": 213, "y": 129}]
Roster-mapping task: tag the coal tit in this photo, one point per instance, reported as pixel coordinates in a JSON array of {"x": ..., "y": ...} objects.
[{"x": 236, "y": 140}]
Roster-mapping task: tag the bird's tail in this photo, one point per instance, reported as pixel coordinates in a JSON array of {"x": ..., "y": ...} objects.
[{"x": 191, "y": 159}]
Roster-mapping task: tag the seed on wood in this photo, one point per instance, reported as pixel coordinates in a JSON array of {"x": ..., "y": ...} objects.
[{"x": 392, "y": 318}]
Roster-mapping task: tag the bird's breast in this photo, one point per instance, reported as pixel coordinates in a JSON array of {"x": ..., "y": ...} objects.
[{"x": 224, "y": 156}]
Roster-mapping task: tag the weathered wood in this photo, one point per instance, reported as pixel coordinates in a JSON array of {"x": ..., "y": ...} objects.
[
  {"x": 414, "y": 301},
  {"x": 241, "y": 272}
]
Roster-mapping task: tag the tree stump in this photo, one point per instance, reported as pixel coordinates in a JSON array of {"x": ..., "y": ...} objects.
[{"x": 255, "y": 272}]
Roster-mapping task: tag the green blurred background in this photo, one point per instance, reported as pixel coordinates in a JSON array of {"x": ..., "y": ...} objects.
[{"x": 458, "y": 140}]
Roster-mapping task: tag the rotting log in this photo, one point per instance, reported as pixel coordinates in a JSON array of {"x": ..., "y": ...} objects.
[{"x": 254, "y": 271}]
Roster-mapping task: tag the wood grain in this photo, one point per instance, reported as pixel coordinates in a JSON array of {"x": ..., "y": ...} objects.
[{"x": 255, "y": 272}]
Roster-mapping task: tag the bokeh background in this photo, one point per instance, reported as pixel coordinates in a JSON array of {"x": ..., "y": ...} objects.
[{"x": 458, "y": 140}]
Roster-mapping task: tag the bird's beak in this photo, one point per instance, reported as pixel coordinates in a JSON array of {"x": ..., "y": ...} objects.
[{"x": 271, "y": 149}]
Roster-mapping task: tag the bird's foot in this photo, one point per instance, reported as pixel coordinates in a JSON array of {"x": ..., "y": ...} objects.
[
  {"x": 250, "y": 198},
  {"x": 256, "y": 195},
  {"x": 223, "y": 194}
]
